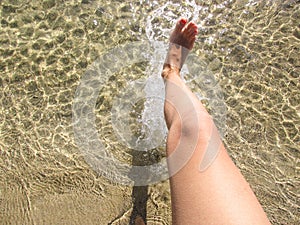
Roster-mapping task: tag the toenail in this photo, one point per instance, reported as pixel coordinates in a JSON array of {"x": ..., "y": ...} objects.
[{"x": 182, "y": 21}]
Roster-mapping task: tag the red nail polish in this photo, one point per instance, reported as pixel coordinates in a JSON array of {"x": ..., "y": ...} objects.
[{"x": 182, "y": 21}]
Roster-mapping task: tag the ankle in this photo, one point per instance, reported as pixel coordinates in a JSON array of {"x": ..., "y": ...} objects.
[{"x": 169, "y": 70}]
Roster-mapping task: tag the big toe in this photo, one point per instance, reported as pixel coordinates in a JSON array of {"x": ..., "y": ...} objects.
[{"x": 180, "y": 24}]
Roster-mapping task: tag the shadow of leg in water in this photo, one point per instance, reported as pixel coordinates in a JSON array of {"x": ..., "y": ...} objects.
[
  {"x": 139, "y": 212},
  {"x": 139, "y": 195}
]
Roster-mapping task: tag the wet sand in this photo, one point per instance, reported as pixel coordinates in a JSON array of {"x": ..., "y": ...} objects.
[{"x": 250, "y": 47}]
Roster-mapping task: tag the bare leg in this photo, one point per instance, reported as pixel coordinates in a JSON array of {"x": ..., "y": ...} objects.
[{"x": 219, "y": 194}]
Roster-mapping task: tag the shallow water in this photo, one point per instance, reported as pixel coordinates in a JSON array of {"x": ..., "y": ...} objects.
[{"x": 248, "y": 77}]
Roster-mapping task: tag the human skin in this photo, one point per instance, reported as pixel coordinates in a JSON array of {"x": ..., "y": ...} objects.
[{"x": 219, "y": 194}]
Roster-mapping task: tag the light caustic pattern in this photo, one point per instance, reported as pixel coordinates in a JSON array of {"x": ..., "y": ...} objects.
[
  {"x": 151, "y": 92},
  {"x": 251, "y": 48},
  {"x": 153, "y": 129}
]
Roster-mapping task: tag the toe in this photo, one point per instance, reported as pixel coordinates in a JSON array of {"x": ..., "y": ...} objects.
[
  {"x": 193, "y": 32},
  {"x": 180, "y": 24},
  {"x": 191, "y": 27},
  {"x": 190, "y": 30}
]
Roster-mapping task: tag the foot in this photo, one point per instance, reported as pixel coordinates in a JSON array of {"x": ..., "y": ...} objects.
[{"x": 183, "y": 35}]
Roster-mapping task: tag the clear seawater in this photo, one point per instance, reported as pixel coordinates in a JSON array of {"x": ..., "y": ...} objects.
[{"x": 250, "y": 48}]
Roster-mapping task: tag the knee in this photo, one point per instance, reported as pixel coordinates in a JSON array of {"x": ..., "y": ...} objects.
[{"x": 198, "y": 125}]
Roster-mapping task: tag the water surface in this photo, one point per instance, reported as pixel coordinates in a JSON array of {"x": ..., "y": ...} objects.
[{"x": 251, "y": 47}]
